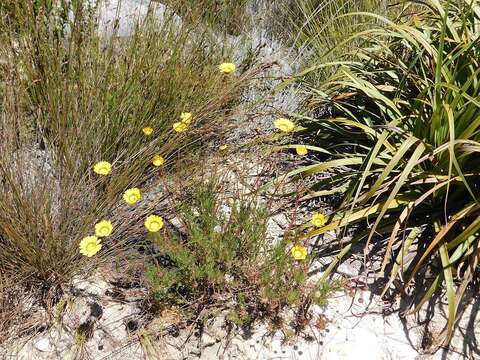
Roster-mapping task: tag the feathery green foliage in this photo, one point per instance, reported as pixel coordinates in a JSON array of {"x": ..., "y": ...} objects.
[{"x": 221, "y": 254}]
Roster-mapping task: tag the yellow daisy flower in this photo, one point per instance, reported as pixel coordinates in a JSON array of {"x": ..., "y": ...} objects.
[
  {"x": 132, "y": 196},
  {"x": 90, "y": 245},
  {"x": 227, "y": 68},
  {"x": 147, "y": 131},
  {"x": 158, "y": 160},
  {"x": 102, "y": 168},
  {"x": 299, "y": 252},
  {"x": 186, "y": 118},
  {"x": 223, "y": 147},
  {"x": 154, "y": 223},
  {"x": 301, "y": 150},
  {"x": 284, "y": 125},
  {"x": 180, "y": 126},
  {"x": 318, "y": 219},
  {"x": 103, "y": 228}
]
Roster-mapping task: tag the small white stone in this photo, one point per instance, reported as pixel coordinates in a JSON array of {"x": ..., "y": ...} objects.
[
  {"x": 95, "y": 286},
  {"x": 43, "y": 345},
  {"x": 208, "y": 340}
]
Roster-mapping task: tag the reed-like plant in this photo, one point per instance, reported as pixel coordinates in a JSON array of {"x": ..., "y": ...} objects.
[
  {"x": 229, "y": 15},
  {"x": 71, "y": 96}
]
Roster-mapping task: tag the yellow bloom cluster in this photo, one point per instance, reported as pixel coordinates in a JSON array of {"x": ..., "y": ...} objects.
[
  {"x": 147, "y": 131},
  {"x": 180, "y": 127},
  {"x": 103, "y": 228},
  {"x": 301, "y": 150},
  {"x": 154, "y": 223},
  {"x": 132, "y": 196},
  {"x": 185, "y": 120},
  {"x": 318, "y": 219},
  {"x": 158, "y": 160},
  {"x": 90, "y": 245}
]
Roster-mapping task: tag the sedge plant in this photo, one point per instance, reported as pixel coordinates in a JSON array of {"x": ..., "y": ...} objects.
[{"x": 401, "y": 137}]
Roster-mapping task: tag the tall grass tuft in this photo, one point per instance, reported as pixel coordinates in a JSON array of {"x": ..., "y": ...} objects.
[
  {"x": 321, "y": 32},
  {"x": 402, "y": 123},
  {"x": 71, "y": 97},
  {"x": 229, "y": 15}
]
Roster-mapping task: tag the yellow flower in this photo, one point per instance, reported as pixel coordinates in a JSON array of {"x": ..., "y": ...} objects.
[
  {"x": 318, "y": 219},
  {"x": 284, "y": 125},
  {"x": 227, "y": 68},
  {"x": 90, "y": 245},
  {"x": 301, "y": 150},
  {"x": 186, "y": 118},
  {"x": 103, "y": 228},
  {"x": 132, "y": 196},
  {"x": 147, "y": 130},
  {"x": 154, "y": 223},
  {"x": 223, "y": 147},
  {"x": 158, "y": 160},
  {"x": 180, "y": 126},
  {"x": 299, "y": 252},
  {"x": 102, "y": 168}
]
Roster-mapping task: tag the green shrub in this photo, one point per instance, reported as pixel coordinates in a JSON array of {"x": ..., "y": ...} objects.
[
  {"x": 406, "y": 130},
  {"x": 70, "y": 99},
  {"x": 224, "y": 258}
]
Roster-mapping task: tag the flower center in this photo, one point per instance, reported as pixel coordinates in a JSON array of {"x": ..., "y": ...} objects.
[
  {"x": 154, "y": 225},
  {"x": 91, "y": 246},
  {"x": 133, "y": 198}
]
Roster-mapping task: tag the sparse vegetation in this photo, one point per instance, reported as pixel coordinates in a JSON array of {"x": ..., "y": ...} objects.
[{"x": 111, "y": 138}]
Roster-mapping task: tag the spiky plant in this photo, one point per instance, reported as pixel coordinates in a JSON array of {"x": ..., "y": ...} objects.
[{"x": 403, "y": 125}]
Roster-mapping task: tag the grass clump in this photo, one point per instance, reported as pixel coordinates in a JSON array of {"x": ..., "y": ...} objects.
[
  {"x": 70, "y": 97},
  {"x": 223, "y": 259},
  {"x": 405, "y": 128},
  {"x": 227, "y": 15},
  {"x": 322, "y": 32}
]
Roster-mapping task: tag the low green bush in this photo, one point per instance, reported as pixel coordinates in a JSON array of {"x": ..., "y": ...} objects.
[
  {"x": 223, "y": 258},
  {"x": 402, "y": 130}
]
